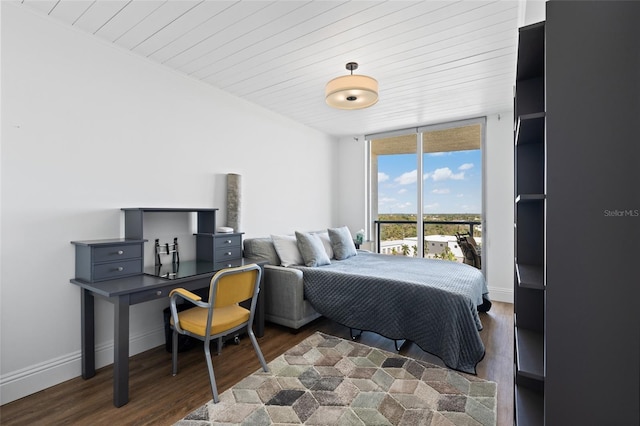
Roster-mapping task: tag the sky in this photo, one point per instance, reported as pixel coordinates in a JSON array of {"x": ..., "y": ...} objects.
[{"x": 452, "y": 183}]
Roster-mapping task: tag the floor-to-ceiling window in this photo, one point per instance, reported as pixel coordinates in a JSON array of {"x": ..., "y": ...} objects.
[
  {"x": 394, "y": 182},
  {"x": 434, "y": 195}
]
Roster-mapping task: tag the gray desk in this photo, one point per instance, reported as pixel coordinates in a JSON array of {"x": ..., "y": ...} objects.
[{"x": 124, "y": 292}]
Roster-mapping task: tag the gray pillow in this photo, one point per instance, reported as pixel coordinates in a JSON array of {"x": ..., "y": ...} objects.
[
  {"x": 342, "y": 243},
  {"x": 312, "y": 249},
  {"x": 261, "y": 248}
]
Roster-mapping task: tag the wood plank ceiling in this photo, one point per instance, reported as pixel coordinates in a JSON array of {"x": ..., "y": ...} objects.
[{"x": 434, "y": 60}]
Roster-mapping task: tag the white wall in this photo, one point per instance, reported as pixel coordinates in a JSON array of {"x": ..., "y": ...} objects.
[
  {"x": 88, "y": 129},
  {"x": 497, "y": 236},
  {"x": 531, "y": 12},
  {"x": 352, "y": 171}
]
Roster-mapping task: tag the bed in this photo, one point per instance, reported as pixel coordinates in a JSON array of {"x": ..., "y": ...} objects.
[{"x": 433, "y": 303}]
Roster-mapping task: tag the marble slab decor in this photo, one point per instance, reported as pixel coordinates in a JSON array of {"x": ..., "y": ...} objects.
[
  {"x": 326, "y": 380},
  {"x": 234, "y": 201}
]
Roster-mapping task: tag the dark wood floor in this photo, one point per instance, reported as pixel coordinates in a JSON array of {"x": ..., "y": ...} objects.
[{"x": 158, "y": 398}]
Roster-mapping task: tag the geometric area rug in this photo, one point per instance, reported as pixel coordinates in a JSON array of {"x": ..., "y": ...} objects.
[{"x": 326, "y": 380}]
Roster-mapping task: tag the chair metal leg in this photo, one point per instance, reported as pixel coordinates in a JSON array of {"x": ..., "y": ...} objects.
[
  {"x": 252, "y": 337},
  {"x": 174, "y": 353},
  {"x": 212, "y": 378}
]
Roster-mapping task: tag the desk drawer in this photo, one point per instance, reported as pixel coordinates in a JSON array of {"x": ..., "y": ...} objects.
[
  {"x": 229, "y": 263},
  {"x": 100, "y": 260},
  {"x": 163, "y": 291},
  {"x": 227, "y": 253},
  {"x": 226, "y": 241},
  {"x": 109, "y": 271},
  {"x": 116, "y": 253}
]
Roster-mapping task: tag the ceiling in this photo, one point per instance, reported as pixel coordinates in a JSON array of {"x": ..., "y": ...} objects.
[{"x": 435, "y": 61}]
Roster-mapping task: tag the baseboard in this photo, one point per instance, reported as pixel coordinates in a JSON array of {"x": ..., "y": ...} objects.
[
  {"x": 32, "y": 379},
  {"x": 499, "y": 294}
]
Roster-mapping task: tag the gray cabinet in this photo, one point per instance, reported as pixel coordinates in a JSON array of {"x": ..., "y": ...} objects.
[
  {"x": 577, "y": 216},
  {"x": 224, "y": 249},
  {"x": 593, "y": 213},
  {"x": 101, "y": 260}
]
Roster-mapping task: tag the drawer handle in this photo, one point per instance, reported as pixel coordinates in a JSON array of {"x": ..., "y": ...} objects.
[
  {"x": 159, "y": 293},
  {"x": 120, "y": 252},
  {"x": 229, "y": 265},
  {"x": 120, "y": 269},
  {"x": 228, "y": 253},
  {"x": 228, "y": 241}
]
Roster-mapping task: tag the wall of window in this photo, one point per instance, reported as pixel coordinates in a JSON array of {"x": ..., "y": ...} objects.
[{"x": 443, "y": 186}]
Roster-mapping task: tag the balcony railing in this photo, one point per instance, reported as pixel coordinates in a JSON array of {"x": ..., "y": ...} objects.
[{"x": 378, "y": 223}]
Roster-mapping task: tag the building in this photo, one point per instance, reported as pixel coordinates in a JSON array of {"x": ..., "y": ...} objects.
[{"x": 435, "y": 244}]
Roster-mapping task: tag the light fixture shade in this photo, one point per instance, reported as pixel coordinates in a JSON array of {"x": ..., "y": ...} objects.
[{"x": 352, "y": 92}]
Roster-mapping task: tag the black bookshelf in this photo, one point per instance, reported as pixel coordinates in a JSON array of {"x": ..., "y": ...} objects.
[{"x": 529, "y": 215}]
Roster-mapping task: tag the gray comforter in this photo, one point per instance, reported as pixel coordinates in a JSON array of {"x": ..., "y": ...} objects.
[{"x": 429, "y": 302}]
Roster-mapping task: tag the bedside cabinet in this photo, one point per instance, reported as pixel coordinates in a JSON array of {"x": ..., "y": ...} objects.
[{"x": 102, "y": 260}]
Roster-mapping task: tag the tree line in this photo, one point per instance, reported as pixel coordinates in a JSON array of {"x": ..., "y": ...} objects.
[{"x": 400, "y": 231}]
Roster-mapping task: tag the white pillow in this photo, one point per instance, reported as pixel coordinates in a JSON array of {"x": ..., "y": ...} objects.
[
  {"x": 287, "y": 248},
  {"x": 326, "y": 242}
]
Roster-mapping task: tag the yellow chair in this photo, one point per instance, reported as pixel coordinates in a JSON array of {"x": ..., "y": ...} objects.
[{"x": 221, "y": 316}]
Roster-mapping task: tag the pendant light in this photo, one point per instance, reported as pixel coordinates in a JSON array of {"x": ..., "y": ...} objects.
[{"x": 352, "y": 91}]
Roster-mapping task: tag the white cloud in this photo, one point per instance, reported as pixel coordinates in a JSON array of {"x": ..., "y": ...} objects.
[
  {"x": 382, "y": 177},
  {"x": 407, "y": 178},
  {"x": 445, "y": 173},
  {"x": 441, "y": 191},
  {"x": 431, "y": 206},
  {"x": 402, "y": 191},
  {"x": 466, "y": 166}
]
